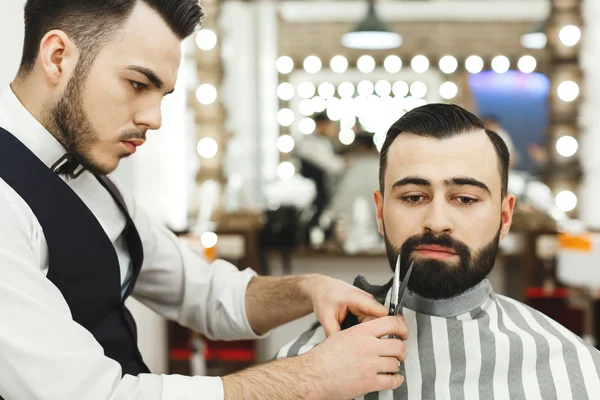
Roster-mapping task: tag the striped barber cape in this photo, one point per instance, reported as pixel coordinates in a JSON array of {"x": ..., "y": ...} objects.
[{"x": 480, "y": 346}]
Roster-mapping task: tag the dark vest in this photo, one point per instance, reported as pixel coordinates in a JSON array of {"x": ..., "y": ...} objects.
[{"x": 83, "y": 263}]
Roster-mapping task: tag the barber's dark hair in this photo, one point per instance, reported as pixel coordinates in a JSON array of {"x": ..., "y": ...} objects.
[
  {"x": 442, "y": 121},
  {"x": 92, "y": 23}
]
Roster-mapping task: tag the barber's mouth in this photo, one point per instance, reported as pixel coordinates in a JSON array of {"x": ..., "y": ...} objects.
[
  {"x": 436, "y": 252},
  {"x": 132, "y": 144}
]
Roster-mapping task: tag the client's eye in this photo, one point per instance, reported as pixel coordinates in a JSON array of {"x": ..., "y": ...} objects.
[
  {"x": 466, "y": 201},
  {"x": 415, "y": 198}
]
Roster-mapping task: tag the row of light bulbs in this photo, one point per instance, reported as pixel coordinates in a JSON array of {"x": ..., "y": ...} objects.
[
  {"x": 382, "y": 88},
  {"x": 420, "y": 64},
  {"x": 344, "y": 109},
  {"x": 207, "y": 148},
  {"x": 567, "y": 91},
  {"x": 206, "y": 40}
]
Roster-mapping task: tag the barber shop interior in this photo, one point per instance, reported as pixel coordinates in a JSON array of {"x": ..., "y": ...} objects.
[{"x": 323, "y": 142}]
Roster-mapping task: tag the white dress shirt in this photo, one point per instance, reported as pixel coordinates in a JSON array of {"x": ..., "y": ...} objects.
[{"x": 44, "y": 354}]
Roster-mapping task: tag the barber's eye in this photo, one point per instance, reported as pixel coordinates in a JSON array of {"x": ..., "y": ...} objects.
[{"x": 137, "y": 86}]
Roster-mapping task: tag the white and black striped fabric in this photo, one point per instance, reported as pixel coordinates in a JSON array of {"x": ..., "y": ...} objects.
[{"x": 482, "y": 346}]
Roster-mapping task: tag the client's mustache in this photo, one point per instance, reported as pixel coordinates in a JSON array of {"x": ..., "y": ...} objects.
[{"x": 428, "y": 238}]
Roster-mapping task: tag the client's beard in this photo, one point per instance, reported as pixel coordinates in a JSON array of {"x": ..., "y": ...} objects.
[{"x": 438, "y": 279}]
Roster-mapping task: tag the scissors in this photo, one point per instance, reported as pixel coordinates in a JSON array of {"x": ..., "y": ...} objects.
[{"x": 399, "y": 289}]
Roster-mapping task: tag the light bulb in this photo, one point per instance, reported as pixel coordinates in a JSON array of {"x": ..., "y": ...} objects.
[
  {"x": 419, "y": 64},
  {"x": 286, "y": 170},
  {"x": 206, "y": 39},
  {"x": 474, "y": 64},
  {"x": 284, "y": 65},
  {"x": 366, "y": 64},
  {"x": 566, "y": 146},
  {"x": 568, "y": 91},
  {"x": 206, "y": 94},
  {"x": 285, "y": 91},
  {"x": 500, "y": 64},
  {"x": 527, "y": 64},
  {"x": 207, "y": 148},
  {"x": 569, "y": 35},
  {"x": 566, "y": 201},
  {"x": 285, "y": 117},
  {"x": 448, "y": 90},
  {"x": 448, "y": 64},
  {"x": 338, "y": 64},
  {"x": 285, "y": 143},
  {"x": 312, "y": 64},
  {"x": 392, "y": 64}
]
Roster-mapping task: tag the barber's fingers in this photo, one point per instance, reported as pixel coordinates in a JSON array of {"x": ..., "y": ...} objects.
[
  {"x": 388, "y": 365},
  {"x": 388, "y": 381},
  {"x": 330, "y": 323},
  {"x": 392, "y": 348},
  {"x": 389, "y": 325}
]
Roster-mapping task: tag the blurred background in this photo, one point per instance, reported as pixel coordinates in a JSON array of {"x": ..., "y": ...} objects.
[{"x": 268, "y": 154}]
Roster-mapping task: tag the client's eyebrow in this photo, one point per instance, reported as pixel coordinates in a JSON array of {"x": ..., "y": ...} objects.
[
  {"x": 455, "y": 181},
  {"x": 466, "y": 181},
  {"x": 411, "y": 180}
]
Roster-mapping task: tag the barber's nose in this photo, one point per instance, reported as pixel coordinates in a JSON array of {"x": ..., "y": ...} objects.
[
  {"x": 151, "y": 118},
  {"x": 437, "y": 219}
]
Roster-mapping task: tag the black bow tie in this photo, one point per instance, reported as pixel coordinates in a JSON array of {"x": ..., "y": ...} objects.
[{"x": 67, "y": 165}]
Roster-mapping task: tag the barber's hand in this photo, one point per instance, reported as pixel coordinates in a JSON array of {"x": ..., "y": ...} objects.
[
  {"x": 332, "y": 299},
  {"x": 356, "y": 361}
]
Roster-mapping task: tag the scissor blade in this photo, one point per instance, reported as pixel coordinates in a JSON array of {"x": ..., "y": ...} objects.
[
  {"x": 395, "y": 289},
  {"x": 403, "y": 287},
  {"x": 396, "y": 285}
]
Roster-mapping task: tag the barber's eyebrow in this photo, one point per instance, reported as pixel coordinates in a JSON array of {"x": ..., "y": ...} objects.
[
  {"x": 455, "y": 181},
  {"x": 151, "y": 75}
]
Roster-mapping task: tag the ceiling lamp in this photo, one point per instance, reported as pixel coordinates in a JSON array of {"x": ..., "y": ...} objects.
[
  {"x": 536, "y": 39},
  {"x": 371, "y": 34}
]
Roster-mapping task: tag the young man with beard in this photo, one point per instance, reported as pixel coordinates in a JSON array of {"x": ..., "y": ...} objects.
[
  {"x": 443, "y": 204},
  {"x": 73, "y": 246}
]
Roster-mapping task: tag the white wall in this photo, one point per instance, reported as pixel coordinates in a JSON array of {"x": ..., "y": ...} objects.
[{"x": 11, "y": 32}]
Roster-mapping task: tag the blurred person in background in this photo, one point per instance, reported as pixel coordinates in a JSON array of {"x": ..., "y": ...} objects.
[
  {"x": 354, "y": 189},
  {"x": 320, "y": 163}
]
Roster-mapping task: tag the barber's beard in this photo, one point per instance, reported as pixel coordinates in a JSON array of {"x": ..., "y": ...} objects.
[
  {"x": 439, "y": 279},
  {"x": 71, "y": 126}
]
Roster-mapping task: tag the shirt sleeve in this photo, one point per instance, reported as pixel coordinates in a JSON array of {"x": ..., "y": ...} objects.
[
  {"x": 179, "y": 285},
  {"x": 44, "y": 354}
]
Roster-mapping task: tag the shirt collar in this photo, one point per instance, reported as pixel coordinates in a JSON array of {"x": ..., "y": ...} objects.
[{"x": 17, "y": 120}]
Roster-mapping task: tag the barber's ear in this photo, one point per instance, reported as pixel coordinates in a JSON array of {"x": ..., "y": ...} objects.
[
  {"x": 508, "y": 206},
  {"x": 378, "y": 198},
  {"x": 58, "y": 56}
]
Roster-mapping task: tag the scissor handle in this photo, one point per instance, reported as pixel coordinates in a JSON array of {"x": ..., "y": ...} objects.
[{"x": 392, "y": 311}]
